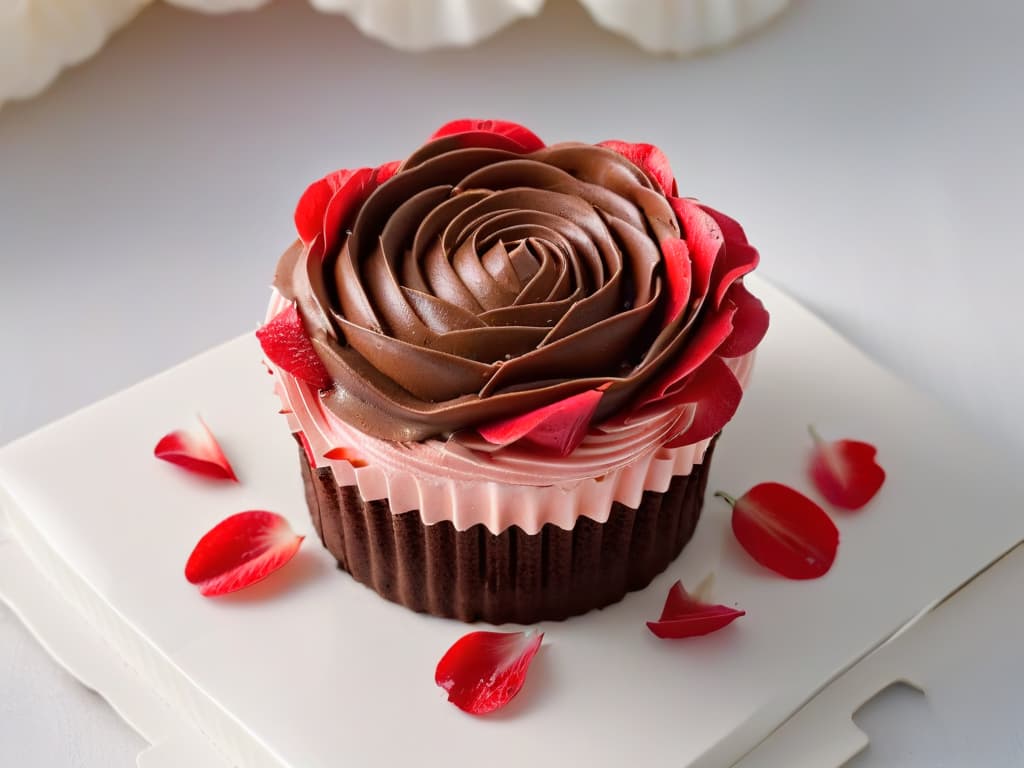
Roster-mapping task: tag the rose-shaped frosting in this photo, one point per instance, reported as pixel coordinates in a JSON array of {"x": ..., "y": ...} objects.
[{"x": 500, "y": 290}]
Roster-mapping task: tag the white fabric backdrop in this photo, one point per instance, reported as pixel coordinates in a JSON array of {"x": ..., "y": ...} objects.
[
  {"x": 38, "y": 38},
  {"x": 872, "y": 150}
]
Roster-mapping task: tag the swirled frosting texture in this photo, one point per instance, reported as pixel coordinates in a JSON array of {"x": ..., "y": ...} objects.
[{"x": 490, "y": 280}]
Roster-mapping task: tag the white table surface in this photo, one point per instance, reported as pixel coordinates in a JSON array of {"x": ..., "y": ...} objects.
[{"x": 872, "y": 150}]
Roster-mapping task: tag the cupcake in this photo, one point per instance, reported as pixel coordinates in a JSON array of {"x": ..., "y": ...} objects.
[{"x": 505, "y": 365}]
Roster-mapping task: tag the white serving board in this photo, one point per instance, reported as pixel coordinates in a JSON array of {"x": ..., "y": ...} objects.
[
  {"x": 957, "y": 655},
  {"x": 311, "y": 670}
]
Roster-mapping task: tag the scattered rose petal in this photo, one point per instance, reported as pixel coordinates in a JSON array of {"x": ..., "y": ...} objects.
[
  {"x": 523, "y": 136},
  {"x": 286, "y": 344},
  {"x": 557, "y": 428},
  {"x": 688, "y": 616},
  {"x": 784, "y": 530},
  {"x": 484, "y": 671},
  {"x": 845, "y": 471},
  {"x": 648, "y": 157},
  {"x": 240, "y": 551},
  {"x": 197, "y": 452}
]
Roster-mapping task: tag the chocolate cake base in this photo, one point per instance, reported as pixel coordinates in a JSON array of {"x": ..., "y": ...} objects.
[{"x": 512, "y": 577}]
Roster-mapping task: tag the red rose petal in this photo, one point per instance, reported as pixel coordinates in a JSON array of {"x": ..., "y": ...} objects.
[
  {"x": 341, "y": 207},
  {"x": 705, "y": 240},
  {"x": 286, "y": 344},
  {"x": 483, "y": 671},
  {"x": 845, "y": 471},
  {"x": 523, "y": 136},
  {"x": 557, "y": 428},
  {"x": 345, "y": 454},
  {"x": 784, "y": 530},
  {"x": 717, "y": 395},
  {"x": 708, "y": 337},
  {"x": 731, "y": 229},
  {"x": 386, "y": 171},
  {"x": 649, "y": 158},
  {"x": 240, "y": 551},
  {"x": 685, "y": 616},
  {"x": 678, "y": 275},
  {"x": 737, "y": 261},
  {"x": 750, "y": 323},
  {"x": 309, "y": 213},
  {"x": 198, "y": 452},
  {"x": 326, "y": 203},
  {"x": 738, "y": 258}
]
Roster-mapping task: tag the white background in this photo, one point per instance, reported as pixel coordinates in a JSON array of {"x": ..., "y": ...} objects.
[{"x": 873, "y": 151}]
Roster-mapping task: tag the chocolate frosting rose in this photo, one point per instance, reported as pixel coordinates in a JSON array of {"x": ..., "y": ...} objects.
[{"x": 523, "y": 291}]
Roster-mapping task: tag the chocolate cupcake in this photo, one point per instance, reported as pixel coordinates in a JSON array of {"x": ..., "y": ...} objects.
[{"x": 505, "y": 364}]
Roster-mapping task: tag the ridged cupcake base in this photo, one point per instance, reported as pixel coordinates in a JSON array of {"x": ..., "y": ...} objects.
[{"x": 512, "y": 577}]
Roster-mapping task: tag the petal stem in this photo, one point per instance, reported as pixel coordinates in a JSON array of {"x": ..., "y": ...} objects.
[
  {"x": 814, "y": 435},
  {"x": 727, "y": 497}
]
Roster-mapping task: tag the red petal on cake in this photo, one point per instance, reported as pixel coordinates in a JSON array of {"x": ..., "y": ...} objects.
[
  {"x": 737, "y": 261},
  {"x": 704, "y": 238},
  {"x": 845, "y": 471},
  {"x": 557, "y": 428},
  {"x": 648, "y": 157},
  {"x": 198, "y": 452},
  {"x": 386, "y": 171},
  {"x": 707, "y": 338},
  {"x": 749, "y": 324},
  {"x": 484, "y": 671},
  {"x": 732, "y": 231},
  {"x": 309, "y": 213},
  {"x": 685, "y": 616},
  {"x": 716, "y": 393},
  {"x": 523, "y": 136},
  {"x": 784, "y": 530},
  {"x": 678, "y": 274},
  {"x": 738, "y": 258},
  {"x": 286, "y": 344},
  {"x": 345, "y": 201},
  {"x": 345, "y": 454},
  {"x": 240, "y": 551}
]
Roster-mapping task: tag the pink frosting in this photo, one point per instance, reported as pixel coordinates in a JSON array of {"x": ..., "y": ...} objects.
[{"x": 511, "y": 486}]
